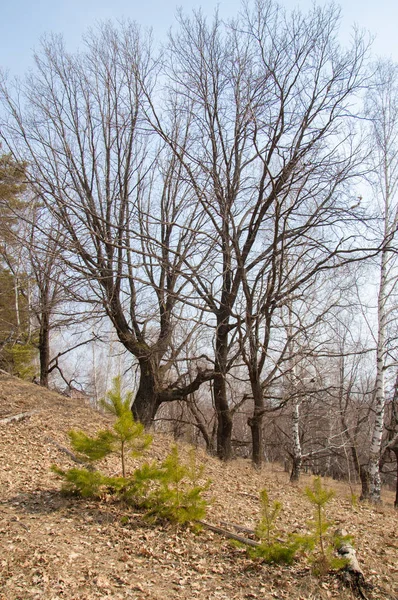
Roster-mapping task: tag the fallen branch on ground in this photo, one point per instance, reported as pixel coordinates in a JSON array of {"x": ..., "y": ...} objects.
[
  {"x": 239, "y": 528},
  {"x": 19, "y": 417},
  {"x": 246, "y": 530},
  {"x": 345, "y": 550},
  {"x": 229, "y": 534},
  {"x": 75, "y": 458}
]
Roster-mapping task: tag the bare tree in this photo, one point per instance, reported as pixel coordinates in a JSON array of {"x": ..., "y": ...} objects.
[
  {"x": 352, "y": 395},
  {"x": 46, "y": 289},
  {"x": 390, "y": 441},
  {"x": 127, "y": 220},
  {"x": 268, "y": 99},
  {"x": 183, "y": 202},
  {"x": 382, "y": 111}
]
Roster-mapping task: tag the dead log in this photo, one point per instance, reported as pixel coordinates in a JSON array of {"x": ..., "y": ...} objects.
[
  {"x": 347, "y": 551},
  {"x": 19, "y": 417},
  {"x": 354, "y": 576}
]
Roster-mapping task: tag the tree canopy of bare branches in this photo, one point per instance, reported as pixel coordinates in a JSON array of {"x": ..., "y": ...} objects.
[{"x": 207, "y": 186}]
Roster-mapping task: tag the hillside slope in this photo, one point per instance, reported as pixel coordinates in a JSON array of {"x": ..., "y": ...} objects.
[{"x": 52, "y": 547}]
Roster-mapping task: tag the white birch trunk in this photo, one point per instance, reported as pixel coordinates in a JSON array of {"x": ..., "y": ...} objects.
[
  {"x": 16, "y": 294},
  {"x": 380, "y": 399},
  {"x": 390, "y": 222},
  {"x": 295, "y": 423},
  {"x": 382, "y": 108},
  {"x": 95, "y": 377},
  {"x": 297, "y": 451}
]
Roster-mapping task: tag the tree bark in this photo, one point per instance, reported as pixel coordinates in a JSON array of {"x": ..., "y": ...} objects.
[
  {"x": 146, "y": 402},
  {"x": 381, "y": 111},
  {"x": 44, "y": 349},
  {"x": 224, "y": 418},
  {"x": 296, "y": 469},
  {"x": 346, "y": 550},
  {"x": 256, "y": 423},
  {"x": 152, "y": 391},
  {"x": 373, "y": 467},
  {"x": 297, "y": 453},
  {"x": 395, "y": 450},
  {"x": 364, "y": 477},
  {"x": 360, "y": 470}
]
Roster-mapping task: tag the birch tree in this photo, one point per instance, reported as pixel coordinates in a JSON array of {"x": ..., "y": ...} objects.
[{"x": 382, "y": 111}]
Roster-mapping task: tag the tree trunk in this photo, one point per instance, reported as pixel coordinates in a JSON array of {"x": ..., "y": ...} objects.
[
  {"x": 146, "y": 402},
  {"x": 152, "y": 391},
  {"x": 364, "y": 477},
  {"x": 256, "y": 424},
  {"x": 201, "y": 425},
  {"x": 361, "y": 472},
  {"x": 378, "y": 428},
  {"x": 297, "y": 453},
  {"x": 296, "y": 469},
  {"x": 224, "y": 418},
  {"x": 395, "y": 450},
  {"x": 44, "y": 349}
]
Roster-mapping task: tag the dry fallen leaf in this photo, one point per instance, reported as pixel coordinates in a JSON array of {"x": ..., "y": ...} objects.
[{"x": 54, "y": 548}]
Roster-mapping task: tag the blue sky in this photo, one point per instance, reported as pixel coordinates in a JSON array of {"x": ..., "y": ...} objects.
[{"x": 23, "y": 22}]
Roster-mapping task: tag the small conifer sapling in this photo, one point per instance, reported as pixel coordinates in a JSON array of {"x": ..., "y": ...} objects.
[{"x": 322, "y": 541}]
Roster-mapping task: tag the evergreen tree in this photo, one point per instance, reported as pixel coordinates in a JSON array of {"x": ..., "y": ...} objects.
[{"x": 16, "y": 348}]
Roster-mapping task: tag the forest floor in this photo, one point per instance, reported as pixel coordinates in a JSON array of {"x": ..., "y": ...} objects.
[{"x": 53, "y": 547}]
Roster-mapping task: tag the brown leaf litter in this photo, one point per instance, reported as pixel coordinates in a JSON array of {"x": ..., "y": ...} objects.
[{"x": 55, "y": 548}]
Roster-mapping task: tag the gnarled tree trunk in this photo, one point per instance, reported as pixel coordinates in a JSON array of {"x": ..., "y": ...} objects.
[
  {"x": 255, "y": 423},
  {"x": 146, "y": 402},
  {"x": 44, "y": 349}
]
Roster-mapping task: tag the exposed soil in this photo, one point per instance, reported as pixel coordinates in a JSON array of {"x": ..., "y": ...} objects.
[{"x": 53, "y": 547}]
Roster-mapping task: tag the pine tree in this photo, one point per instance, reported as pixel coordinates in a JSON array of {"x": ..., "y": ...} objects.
[
  {"x": 322, "y": 542},
  {"x": 169, "y": 490},
  {"x": 270, "y": 549},
  {"x": 126, "y": 438},
  {"x": 17, "y": 351}
]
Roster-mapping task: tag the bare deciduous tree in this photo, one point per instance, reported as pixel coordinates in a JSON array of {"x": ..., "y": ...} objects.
[
  {"x": 382, "y": 111},
  {"x": 268, "y": 100},
  {"x": 127, "y": 220}
]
